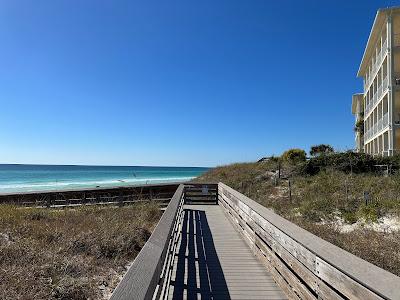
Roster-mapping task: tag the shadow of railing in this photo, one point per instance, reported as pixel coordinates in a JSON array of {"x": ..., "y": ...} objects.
[{"x": 198, "y": 261}]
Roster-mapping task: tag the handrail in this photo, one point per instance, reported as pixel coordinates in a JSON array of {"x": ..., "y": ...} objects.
[
  {"x": 151, "y": 268},
  {"x": 303, "y": 264}
]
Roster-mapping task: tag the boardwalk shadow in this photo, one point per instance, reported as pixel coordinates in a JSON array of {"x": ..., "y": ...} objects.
[{"x": 198, "y": 261}]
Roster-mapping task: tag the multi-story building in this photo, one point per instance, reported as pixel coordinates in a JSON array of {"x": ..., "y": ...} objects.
[{"x": 379, "y": 105}]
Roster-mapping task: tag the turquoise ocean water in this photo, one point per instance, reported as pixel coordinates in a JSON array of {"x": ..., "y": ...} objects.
[{"x": 28, "y": 178}]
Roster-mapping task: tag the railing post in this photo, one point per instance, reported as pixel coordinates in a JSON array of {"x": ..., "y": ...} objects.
[{"x": 120, "y": 199}]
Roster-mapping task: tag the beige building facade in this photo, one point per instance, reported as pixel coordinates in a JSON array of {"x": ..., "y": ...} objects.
[{"x": 378, "y": 107}]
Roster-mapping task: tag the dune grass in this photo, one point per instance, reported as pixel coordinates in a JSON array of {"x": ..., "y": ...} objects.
[{"x": 77, "y": 253}]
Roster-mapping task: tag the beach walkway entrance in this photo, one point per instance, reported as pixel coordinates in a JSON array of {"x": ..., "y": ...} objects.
[{"x": 213, "y": 242}]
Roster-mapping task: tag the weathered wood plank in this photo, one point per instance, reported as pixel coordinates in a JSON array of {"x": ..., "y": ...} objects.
[
  {"x": 315, "y": 283},
  {"x": 343, "y": 283},
  {"x": 289, "y": 276}
]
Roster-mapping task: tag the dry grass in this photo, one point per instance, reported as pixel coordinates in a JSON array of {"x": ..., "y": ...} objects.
[
  {"x": 319, "y": 199},
  {"x": 75, "y": 253},
  {"x": 380, "y": 249}
]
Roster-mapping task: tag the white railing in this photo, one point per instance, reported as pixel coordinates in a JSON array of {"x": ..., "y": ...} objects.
[
  {"x": 369, "y": 134},
  {"x": 378, "y": 127},
  {"x": 385, "y": 120},
  {"x": 376, "y": 65},
  {"x": 379, "y": 92},
  {"x": 377, "y": 96}
]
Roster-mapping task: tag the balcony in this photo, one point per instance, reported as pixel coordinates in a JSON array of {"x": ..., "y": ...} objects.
[
  {"x": 377, "y": 65},
  {"x": 377, "y": 127},
  {"x": 376, "y": 97}
]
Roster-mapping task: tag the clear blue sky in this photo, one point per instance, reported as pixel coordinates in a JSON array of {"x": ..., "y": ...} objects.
[{"x": 198, "y": 83}]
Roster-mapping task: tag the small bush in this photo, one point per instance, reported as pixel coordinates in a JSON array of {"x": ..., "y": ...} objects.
[
  {"x": 370, "y": 212},
  {"x": 71, "y": 288},
  {"x": 294, "y": 155},
  {"x": 349, "y": 217},
  {"x": 321, "y": 149},
  {"x": 349, "y": 162},
  {"x": 37, "y": 215},
  {"x": 359, "y": 127}
]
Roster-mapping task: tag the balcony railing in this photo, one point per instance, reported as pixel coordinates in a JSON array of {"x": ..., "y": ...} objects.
[
  {"x": 376, "y": 97},
  {"x": 385, "y": 119},
  {"x": 377, "y": 127},
  {"x": 377, "y": 65}
]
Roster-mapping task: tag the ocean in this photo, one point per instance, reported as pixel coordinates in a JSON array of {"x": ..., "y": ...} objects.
[{"x": 29, "y": 178}]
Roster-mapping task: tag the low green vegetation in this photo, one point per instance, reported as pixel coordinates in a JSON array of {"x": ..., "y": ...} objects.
[
  {"x": 359, "y": 127},
  {"x": 74, "y": 253},
  {"x": 343, "y": 197},
  {"x": 294, "y": 156},
  {"x": 321, "y": 149}
]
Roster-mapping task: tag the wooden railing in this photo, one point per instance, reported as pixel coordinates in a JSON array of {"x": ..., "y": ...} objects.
[
  {"x": 201, "y": 193},
  {"x": 120, "y": 195},
  {"x": 305, "y": 266},
  {"x": 150, "y": 273}
]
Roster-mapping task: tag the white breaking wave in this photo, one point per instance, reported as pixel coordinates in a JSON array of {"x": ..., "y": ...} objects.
[{"x": 56, "y": 185}]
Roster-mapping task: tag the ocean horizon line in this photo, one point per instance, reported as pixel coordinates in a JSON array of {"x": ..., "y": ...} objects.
[{"x": 90, "y": 165}]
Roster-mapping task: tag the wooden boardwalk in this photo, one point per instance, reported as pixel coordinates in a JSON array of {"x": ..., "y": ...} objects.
[
  {"x": 213, "y": 261},
  {"x": 213, "y": 242}
]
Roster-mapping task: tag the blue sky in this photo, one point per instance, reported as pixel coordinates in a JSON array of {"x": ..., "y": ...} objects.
[{"x": 197, "y": 83}]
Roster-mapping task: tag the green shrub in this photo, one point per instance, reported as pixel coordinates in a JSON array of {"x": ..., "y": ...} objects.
[
  {"x": 370, "y": 212},
  {"x": 359, "y": 126},
  {"x": 349, "y": 216},
  {"x": 348, "y": 162},
  {"x": 321, "y": 149},
  {"x": 294, "y": 155}
]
